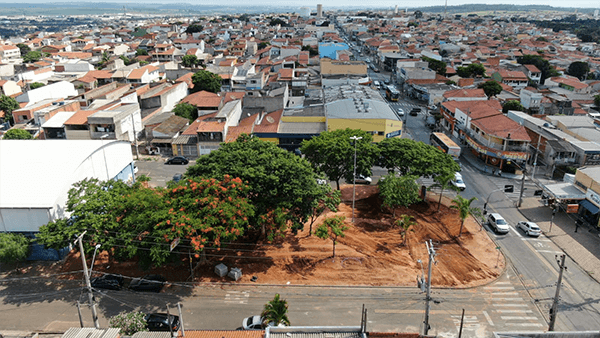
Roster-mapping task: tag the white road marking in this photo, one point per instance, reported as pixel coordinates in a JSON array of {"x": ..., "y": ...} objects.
[
  {"x": 503, "y": 282},
  {"x": 550, "y": 251},
  {"x": 517, "y": 318},
  {"x": 525, "y": 324},
  {"x": 504, "y": 293},
  {"x": 500, "y": 299},
  {"x": 536, "y": 239},
  {"x": 514, "y": 311},
  {"x": 499, "y": 287},
  {"x": 511, "y": 305},
  {"x": 489, "y": 319},
  {"x": 515, "y": 231}
]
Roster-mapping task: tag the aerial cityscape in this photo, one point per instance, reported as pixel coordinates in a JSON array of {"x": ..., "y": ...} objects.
[{"x": 299, "y": 169}]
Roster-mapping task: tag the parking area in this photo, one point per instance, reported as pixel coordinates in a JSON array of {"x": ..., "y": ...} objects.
[{"x": 159, "y": 172}]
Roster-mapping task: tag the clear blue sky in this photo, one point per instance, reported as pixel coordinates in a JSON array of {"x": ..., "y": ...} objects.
[{"x": 338, "y": 3}]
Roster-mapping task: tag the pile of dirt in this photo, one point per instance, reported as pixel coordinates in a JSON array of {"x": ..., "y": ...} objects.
[{"x": 371, "y": 253}]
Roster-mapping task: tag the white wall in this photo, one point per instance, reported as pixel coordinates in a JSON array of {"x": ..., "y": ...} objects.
[{"x": 58, "y": 90}]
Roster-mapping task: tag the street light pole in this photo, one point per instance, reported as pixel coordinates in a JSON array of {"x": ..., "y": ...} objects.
[
  {"x": 554, "y": 308},
  {"x": 104, "y": 153},
  {"x": 87, "y": 280},
  {"x": 94, "y": 258},
  {"x": 355, "y": 138}
]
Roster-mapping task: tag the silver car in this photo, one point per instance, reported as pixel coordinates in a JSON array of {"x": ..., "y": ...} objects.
[
  {"x": 530, "y": 228},
  {"x": 498, "y": 223}
]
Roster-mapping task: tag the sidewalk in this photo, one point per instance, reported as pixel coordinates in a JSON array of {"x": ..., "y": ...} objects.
[{"x": 582, "y": 246}]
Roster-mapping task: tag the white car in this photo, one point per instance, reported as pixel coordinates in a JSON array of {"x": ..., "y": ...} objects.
[
  {"x": 360, "y": 179},
  {"x": 458, "y": 182},
  {"x": 400, "y": 112},
  {"x": 256, "y": 323},
  {"x": 498, "y": 223},
  {"x": 530, "y": 228}
]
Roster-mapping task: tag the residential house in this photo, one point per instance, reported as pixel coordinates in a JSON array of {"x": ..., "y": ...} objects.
[
  {"x": 516, "y": 79},
  {"x": 531, "y": 99},
  {"x": 213, "y": 130},
  {"x": 58, "y": 90},
  {"x": 9, "y": 53},
  {"x": 533, "y": 73},
  {"x": 569, "y": 83},
  {"x": 122, "y": 122},
  {"x": 9, "y": 88},
  {"x": 163, "y": 135},
  {"x": 143, "y": 75}
]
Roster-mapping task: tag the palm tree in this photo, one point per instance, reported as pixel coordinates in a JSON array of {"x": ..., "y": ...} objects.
[
  {"x": 405, "y": 222},
  {"x": 465, "y": 209},
  {"x": 443, "y": 182},
  {"x": 275, "y": 312}
]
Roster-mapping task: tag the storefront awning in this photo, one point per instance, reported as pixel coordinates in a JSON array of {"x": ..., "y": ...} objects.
[{"x": 589, "y": 206}]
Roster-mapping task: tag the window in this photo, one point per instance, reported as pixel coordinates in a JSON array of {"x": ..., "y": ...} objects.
[
  {"x": 579, "y": 184},
  {"x": 380, "y": 133}
]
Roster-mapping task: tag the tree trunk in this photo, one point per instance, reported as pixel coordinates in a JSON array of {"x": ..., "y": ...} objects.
[
  {"x": 337, "y": 182},
  {"x": 334, "y": 249},
  {"x": 440, "y": 201},
  {"x": 461, "y": 227}
]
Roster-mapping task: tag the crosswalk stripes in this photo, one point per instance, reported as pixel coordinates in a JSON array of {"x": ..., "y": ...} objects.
[
  {"x": 529, "y": 186},
  {"x": 237, "y": 297},
  {"x": 510, "y": 307}
]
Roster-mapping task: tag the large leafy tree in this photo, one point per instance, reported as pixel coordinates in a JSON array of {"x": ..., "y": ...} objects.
[
  {"x": 189, "y": 60},
  {"x": 194, "y": 28},
  {"x": 471, "y": 70},
  {"x": 332, "y": 228},
  {"x": 542, "y": 64},
  {"x": 23, "y": 48},
  {"x": 129, "y": 322},
  {"x": 17, "y": 134},
  {"x": 597, "y": 100},
  {"x": 205, "y": 80},
  {"x": 465, "y": 209},
  {"x": 398, "y": 191},
  {"x": 140, "y": 51},
  {"x": 186, "y": 110},
  {"x": 8, "y": 105},
  {"x": 282, "y": 185},
  {"x": 579, "y": 69},
  {"x": 275, "y": 312},
  {"x": 32, "y": 56},
  {"x": 13, "y": 248},
  {"x": 512, "y": 105},
  {"x": 438, "y": 66},
  {"x": 491, "y": 88},
  {"x": 415, "y": 158},
  {"x": 332, "y": 153}
]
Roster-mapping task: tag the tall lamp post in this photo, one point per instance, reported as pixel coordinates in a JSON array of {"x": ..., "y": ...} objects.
[
  {"x": 355, "y": 138},
  {"x": 104, "y": 153}
]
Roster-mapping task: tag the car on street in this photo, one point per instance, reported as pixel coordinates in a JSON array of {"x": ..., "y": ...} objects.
[
  {"x": 400, "y": 112},
  {"x": 256, "y": 323},
  {"x": 153, "y": 283},
  {"x": 361, "y": 179},
  {"x": 415, "y": 111},
  {"x": 177, "y": 160},
  {"x": 161, "y": 322},
  {"x": 110, "y": 282},
  {"x": 530, "y": 228},
  {"x": 458, "y": 181},
  {"x": 498, "y": 223},
  {"x": 177, "y": 177}
]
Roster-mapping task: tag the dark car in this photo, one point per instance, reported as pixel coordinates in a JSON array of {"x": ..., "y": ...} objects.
[
  {"x": 161, "y": 322},
  {"x": 111, "y": 282},
  {"x": 152, "y": 283},
  {"x": 177, "y": 160},
  {"x": 177, "y": 177},
  {"x": 414, "y": 111}
]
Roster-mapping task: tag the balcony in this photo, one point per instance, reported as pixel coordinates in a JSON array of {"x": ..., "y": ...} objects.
[{"x": 523, "y": 147}]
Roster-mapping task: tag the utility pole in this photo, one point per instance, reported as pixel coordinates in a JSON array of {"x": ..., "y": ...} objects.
[
  {"x": 431, "y": 252},
  {"x": 355, "y": 138},
  {"x": 87, "y": 280},
  {"x": 522, "y": 185},
  {"x": 554, "y": 308}
]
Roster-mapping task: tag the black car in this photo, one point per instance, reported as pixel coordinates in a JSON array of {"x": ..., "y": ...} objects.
[
  {"x": 111, "y": 282},
  {"x": 414, "y": 111},
  {"x": 177, "y": 160},
  {"x": 161, "y": 322},
  {"x": 152, "y": 283}
]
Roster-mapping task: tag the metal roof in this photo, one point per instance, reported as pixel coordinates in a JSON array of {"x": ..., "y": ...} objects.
[
  {"x": 90, "y": 332},
  {"x": 564, "y": 191}
]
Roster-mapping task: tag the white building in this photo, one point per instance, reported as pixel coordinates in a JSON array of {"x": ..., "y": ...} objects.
[
  {"x": 58, "y": 90},
  {"x": 36, "y": 176}
]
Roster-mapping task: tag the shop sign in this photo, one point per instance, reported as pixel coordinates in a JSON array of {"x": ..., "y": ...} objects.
[
  {"x": 572, "y": 208},
  {"x": 593, "y": 197}
]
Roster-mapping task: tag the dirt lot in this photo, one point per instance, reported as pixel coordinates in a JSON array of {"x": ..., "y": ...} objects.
[{"x": 371, "y": 253}]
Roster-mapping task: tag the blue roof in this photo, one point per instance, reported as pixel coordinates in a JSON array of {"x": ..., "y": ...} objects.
[{"x": 329, "y": 49}]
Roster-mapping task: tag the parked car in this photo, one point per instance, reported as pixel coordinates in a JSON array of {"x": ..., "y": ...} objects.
[
  {"x": 360, "y": 179},
  {"x": 400, "y": 112},
  {"x": 256, "y": 323},
  {"x": 152, "y": 283},
  {"x": 161, "y": 322},
  {"x": 177, "y": 160},
  {"x": 177, "y": 177},
  {"x": 321, "y": 181},
  {"x": 498, "y": 223},
  {"x": 458, "y": 181},
  {"x": 111, "y": 282},
  {"x": 415, "y": 111},
  {"x": 530, "y": 228}
]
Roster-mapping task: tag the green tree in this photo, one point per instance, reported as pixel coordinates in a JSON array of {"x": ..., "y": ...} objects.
[
  {"x": 194, "y": 28},
  {"x": 189, "y": 60},
  {"x": 275, "y": 312},
  {"x": 398, "y": 191},
  {"x": 32, "y": 56},
  {"x": 512, "y": 105},
  {"x": 23, "y": 48},
  {"x": 465, "y": 209},
  {"x": 472, "y": 70},
  {"x": 332, "y": 153},
  {"x": 205, "y": 80},
  {"x": 410, "y": 157},
  {"x": 578, "y": 69},
  {"x": 438, "y": 66},
  {"x": 418, "y": 14},
  {"x": 491, "y": 88},
  {"x": 330, "y": 200},
  {"x": 17, "y": 134},
  {"x": 14, "y": 248},
  {"x": 8, "y": 105},
  {"x": 36, "y": 85},
  {"x": 140, "y": 51},
  {"x": 597, "y": 100},
  {"x": 542, "y": 64},
  {"x": 186, "y": 110},
  {"x": 262, "y": 45},
  {"x": 405, "y": 223},
  {"x": 129, "y": 322},
  {"x": 283, "y": 186},
  {"x": 278, "y": 21},
  {"x": 311, "y": 51},
  {"x": 332, "y": 228},
  {"x": 443, "y": 182}
]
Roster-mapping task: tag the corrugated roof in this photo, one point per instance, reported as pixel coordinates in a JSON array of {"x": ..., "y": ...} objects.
[
  {"x": 58, "y": 120},
  {"x": 87, "y": 332},
  {"x": 223, "y": 334}
]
